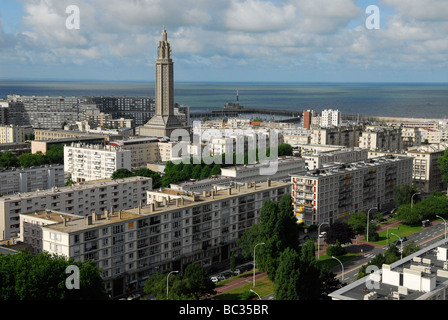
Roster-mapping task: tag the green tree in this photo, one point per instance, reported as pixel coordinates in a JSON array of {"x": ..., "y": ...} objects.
[
  {"x": 215, "y": 170},
  {"x": 196, "y": 174},
  {"x": 403, "y": 194},
  {"x": 121, "y": 174},
  {"x": 287, "y": 276},
  {"x": 443, "y": 165},
  {"x": 24, "y": 276},
  {"x": 341, "y": 232},
  {"x": 358, "y": 221},
  {"x": 7, "y": 160},
  {"x": 194, "y": 284},
  {"x": 55, "y": 153},
  {"x": 205, "y": 172}
]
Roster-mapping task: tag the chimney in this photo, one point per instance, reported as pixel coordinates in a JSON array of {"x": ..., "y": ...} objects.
[
  {"x": 178, "y": 202},
  {"x": 65, "y": 221},
  {"x": 269, "y": 182},
  {"x": 119, "y": 215},
  {"x": 204, "y": 193},
  {"x": 229, "y": 191},
  {"x": 88, "y": 220}
]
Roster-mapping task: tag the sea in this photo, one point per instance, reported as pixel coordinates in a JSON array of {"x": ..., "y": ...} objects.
[{"x": 413, "y": 100}]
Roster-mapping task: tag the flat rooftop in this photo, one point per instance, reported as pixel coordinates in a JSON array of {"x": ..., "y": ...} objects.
[
  {"x": 100, "y": 219},
  {"x": 426, "y": 258},
  {"x": 76, "y": 187}
]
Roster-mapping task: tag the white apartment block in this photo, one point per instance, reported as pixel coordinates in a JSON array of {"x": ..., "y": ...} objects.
[
  {"x": 79, "y": 199},
  {"x": 345, "y": 155},
  {"x": 347, "y": 135},
  {"x": 146, "y": 150},
  {"x": 295, "y": 137},
  {"x": 17, "y": 180},
  {"x": 130, "y": 245},
  {"x": 381, "y": 138},
  {"x": 94, "y": 162},
  {"x": 434, "y": 135},
  {"x": 330, "y": 118},
  {"x": 11, "y": 134},
  {"x": 336, "y": 191},
  {"x": 411, "y": 137},
  {"x": 281, "y": 170},
  {"x": 426, "y": 175}
]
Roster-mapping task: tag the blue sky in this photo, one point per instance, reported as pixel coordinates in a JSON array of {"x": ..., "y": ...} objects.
[{"x": 226, "y": 40}]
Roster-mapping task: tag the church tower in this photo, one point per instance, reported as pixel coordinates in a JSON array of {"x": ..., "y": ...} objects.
[{"x": 164, "y": 121}]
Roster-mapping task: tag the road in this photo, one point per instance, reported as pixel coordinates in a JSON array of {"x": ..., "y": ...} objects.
[{"x": 422, "y": 238}]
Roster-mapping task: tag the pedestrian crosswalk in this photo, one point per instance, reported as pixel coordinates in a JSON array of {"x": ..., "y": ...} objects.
[{"x": 370, "y": 255}]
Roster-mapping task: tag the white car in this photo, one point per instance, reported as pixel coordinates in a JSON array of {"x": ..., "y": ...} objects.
[
  {"x": 214, "y": 279},
  {"x": 322, "y": 234}
]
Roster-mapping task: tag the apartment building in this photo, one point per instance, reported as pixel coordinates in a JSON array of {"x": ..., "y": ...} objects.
[
  {"x": 434, "y": 135},
  {"x": 343, "y": 135},
  {"x": 12, "y": 134},
  {"x": 330, "y": 118},
  {"x": 422, "y": 275},
  {"x": 94, "y": 162},
  {"x": 280, "y": 170},
  {"x": 336, "y": 191},
  {"x": 295, "y": 137},
  {"x": 411, "y": 137},
  {"x": 42, "y": 112},
  {"x": 79, "y": 199},
  {"x": 381, "y": 138},
  {"x": 345, "y": 155},
  {"x": 130, "y": 245},
  {"x": 426, "y": 175},
  {"x": 15, "y": 180},
  {"x": 54, "y": 134},
  {"x": 146, "y": 150}
]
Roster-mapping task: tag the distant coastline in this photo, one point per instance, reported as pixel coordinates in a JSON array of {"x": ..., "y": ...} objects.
[{"x": 413, "y": 99}]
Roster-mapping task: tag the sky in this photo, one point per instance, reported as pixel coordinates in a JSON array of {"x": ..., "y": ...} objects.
[{"x": 226, "y": 40}]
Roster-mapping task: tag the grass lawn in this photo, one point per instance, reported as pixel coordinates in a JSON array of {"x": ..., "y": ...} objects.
[
  {"x": 263, "y": 287},
  {"x": 330, "y": 262},
  {"x": 402, "y": 231}
]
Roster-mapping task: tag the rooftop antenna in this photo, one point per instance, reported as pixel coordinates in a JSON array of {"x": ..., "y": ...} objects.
[{"x": 237, "y": 97}]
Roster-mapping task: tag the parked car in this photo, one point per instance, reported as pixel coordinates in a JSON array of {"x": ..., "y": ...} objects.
[
  {"x": 322, "y": 234},
  {"x": 221, "y": 277},
  {"x": 227, "y": 274},
  {"x": 214, "y": 279}
]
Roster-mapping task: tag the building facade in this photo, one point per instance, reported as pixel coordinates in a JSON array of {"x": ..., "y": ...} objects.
[
  {"x": 12, "y": 134},
  {"x": 94, "y": 162},
  {"x": 330, "y": 118},
  {"x": 79, "y": 199},
  {"x": 18, "y": 180},
  {"x": 336, "y": 191},
  {"x": 131, "y": 245}
]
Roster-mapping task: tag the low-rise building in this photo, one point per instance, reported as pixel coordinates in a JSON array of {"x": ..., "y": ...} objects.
[
  {"x": 422, "y": 275},
  {"x": 345, "y": 155}
]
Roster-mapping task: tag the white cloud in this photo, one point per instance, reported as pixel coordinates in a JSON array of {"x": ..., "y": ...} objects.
[{"x": 222, "y": 34}]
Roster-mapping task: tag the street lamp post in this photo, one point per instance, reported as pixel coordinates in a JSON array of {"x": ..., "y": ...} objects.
[
  {"x": 443, "y": 222},
  {"x": 259, "y": 298},
  {"x": 342, "y": 266},
  {"x": 388, "y": 235},
  {"x": 255, "y": 260},
  {"x": 318, "y": 239},
  {"x": 401, "y": 242},
  {"x": 412, "y": 200},
  {"x": 167, "y": 281},
  {"x": 368, "y": 218}
]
